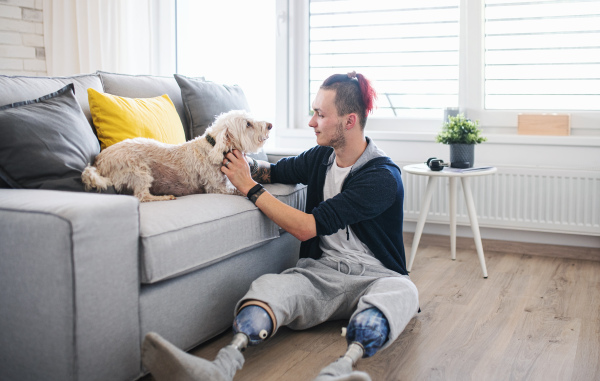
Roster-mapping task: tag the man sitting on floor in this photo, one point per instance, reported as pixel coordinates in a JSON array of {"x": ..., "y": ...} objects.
[{"x": 352, "y": 263}]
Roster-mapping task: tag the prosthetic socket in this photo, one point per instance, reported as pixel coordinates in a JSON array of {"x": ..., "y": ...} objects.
[
  {"x": 254, "y": 322},
  {"x": 369, "y": 329}
]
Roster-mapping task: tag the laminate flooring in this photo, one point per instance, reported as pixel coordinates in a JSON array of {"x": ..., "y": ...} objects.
[{"x": 536, "y": 317}]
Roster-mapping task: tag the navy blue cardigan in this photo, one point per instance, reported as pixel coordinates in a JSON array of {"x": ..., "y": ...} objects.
[{"x": 370, "y": 202}]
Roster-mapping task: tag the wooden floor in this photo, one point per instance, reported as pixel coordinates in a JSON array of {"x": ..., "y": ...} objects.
[{"x": 535, "y": 318}]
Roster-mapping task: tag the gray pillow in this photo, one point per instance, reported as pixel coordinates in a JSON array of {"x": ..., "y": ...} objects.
[
  {"x": 46, "y": 142},
  {"x": 18, "y": 88},
  {"x": 205, "y": 100}
]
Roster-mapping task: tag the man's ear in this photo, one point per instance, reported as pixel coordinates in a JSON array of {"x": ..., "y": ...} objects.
[{"x": 351, "y": 120}]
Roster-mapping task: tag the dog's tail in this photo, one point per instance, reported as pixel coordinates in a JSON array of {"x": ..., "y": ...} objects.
[{"x": 92, "y": 179}]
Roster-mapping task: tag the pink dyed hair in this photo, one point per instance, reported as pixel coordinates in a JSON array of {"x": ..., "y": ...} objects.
[{"x": 354, "y": 93}]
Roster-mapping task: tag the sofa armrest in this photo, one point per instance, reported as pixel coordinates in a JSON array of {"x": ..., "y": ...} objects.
[
  {"x": 275, "y": 154},
  {"x": 69, "y": 286}
]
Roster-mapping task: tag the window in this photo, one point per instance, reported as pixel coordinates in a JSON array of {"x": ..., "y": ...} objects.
[
  {"x": 409, "y": 50},
  {"x": 493, "y": 58},
  {"x": 542, "y": 55},
  {"x": 230, "y": 42}
]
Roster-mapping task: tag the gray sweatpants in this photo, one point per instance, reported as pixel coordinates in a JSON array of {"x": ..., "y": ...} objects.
[{"x": 316, "y": 291}]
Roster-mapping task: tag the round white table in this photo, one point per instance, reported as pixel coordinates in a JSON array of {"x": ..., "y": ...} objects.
[{"x": 423, "y": 170}]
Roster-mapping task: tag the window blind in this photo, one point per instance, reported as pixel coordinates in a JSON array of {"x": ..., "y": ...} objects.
[
  {"x": 409, "y": 50},
  {"x": 542, "y": 55}
]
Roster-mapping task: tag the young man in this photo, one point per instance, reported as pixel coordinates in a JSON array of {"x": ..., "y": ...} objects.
[{"x": 352, "y": 262}]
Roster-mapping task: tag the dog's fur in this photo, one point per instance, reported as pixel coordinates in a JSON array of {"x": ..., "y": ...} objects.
[{"x": 155, "y": 171}]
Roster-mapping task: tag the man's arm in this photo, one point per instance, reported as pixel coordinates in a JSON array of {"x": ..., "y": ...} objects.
[
  {"x": 299, "y": 224},
  {"x": 262, "y": 172}
]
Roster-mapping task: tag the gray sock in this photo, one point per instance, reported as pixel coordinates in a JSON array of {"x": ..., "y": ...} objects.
[
  {"x": 341, "y": 370},
  {"x": 166, "y": 362}
]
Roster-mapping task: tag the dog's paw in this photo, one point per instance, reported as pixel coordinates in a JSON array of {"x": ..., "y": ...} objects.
[
  {"x": 92, "y": 179},
  {"x": 150, "y": 197}
]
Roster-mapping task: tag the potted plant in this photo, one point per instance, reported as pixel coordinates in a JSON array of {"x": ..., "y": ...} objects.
[{"x": 461, "y": 134}]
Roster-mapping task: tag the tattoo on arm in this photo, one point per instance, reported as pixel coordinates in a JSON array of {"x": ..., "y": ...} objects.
[
  {"x": 256, "y": 195},
  {"x": 263, "y": 174}
]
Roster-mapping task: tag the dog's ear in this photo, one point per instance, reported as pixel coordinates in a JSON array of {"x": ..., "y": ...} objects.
[
  {"x": 228, "y": 139},
  {"x": 223, "y": 144}
]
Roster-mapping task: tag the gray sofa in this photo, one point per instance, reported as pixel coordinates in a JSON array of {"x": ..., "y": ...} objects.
[{"x": 84, "y": 276}]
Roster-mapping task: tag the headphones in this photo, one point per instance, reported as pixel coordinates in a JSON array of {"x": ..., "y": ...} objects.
[{"x": 436, "y": 164}]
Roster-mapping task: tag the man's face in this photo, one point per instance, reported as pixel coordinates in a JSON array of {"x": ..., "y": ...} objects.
[{"x": 329, "y": 127}]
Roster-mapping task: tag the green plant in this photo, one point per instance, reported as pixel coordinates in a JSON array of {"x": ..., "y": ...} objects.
[{"x": 459, "y": 130}]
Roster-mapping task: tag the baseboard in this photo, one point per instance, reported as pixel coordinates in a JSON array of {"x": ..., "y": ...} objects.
[{"x": 527, "y": 248}]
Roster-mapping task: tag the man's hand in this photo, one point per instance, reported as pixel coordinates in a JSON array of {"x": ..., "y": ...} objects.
[
  {"x": 237, "y": 170},
  {"x": 301, "y": 225}
]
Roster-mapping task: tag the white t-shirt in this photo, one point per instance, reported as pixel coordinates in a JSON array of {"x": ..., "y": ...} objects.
[{"x": 340, "y": 247}]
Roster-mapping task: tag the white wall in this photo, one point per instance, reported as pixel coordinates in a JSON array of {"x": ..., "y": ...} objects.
[{"x": 22, "y": 38}]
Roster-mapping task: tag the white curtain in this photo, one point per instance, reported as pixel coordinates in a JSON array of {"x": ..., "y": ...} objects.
[{"x": 121, "y": 36}]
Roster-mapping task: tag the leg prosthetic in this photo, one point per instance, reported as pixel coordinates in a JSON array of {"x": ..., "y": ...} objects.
[
  {"x": 366, "y": 334},
  {"x": 369, "y": 330},
  {"x": 252, "y": 325}
]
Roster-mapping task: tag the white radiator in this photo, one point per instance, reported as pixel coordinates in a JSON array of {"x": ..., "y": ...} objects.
[{"x": 536, "y": 199}]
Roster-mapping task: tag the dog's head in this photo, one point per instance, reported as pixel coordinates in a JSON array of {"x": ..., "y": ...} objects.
[{"x": 238, "y": 130}]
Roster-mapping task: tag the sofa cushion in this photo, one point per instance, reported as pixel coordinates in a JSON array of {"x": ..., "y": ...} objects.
[
  {"x": 205, "y": 100},
  {"x": 46, "y": 142},
  {"x": 20, "y": 88},
  {"x": 145, "y": 86},
  {"x": 196, "y": 231},
  {"x": 119, "y": 118}
]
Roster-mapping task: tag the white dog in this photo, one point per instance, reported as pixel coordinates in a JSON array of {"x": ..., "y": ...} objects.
[{"x": 155, "y": 171}]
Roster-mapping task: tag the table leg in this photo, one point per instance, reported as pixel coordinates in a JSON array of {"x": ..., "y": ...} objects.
[
  {"x": 452, "y": 211},
  {"x": 425, "y": 202},
  {"x": 474, "y": 223}
]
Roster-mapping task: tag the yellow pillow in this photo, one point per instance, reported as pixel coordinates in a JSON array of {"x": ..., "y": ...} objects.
[{"x": 119, "y": 118}]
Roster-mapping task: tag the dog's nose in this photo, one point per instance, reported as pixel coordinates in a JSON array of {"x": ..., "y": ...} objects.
[{"x": 269, "y": 126}]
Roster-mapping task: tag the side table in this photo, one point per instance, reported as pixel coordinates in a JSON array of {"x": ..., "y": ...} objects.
[{"x": 452, "y": 175}]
